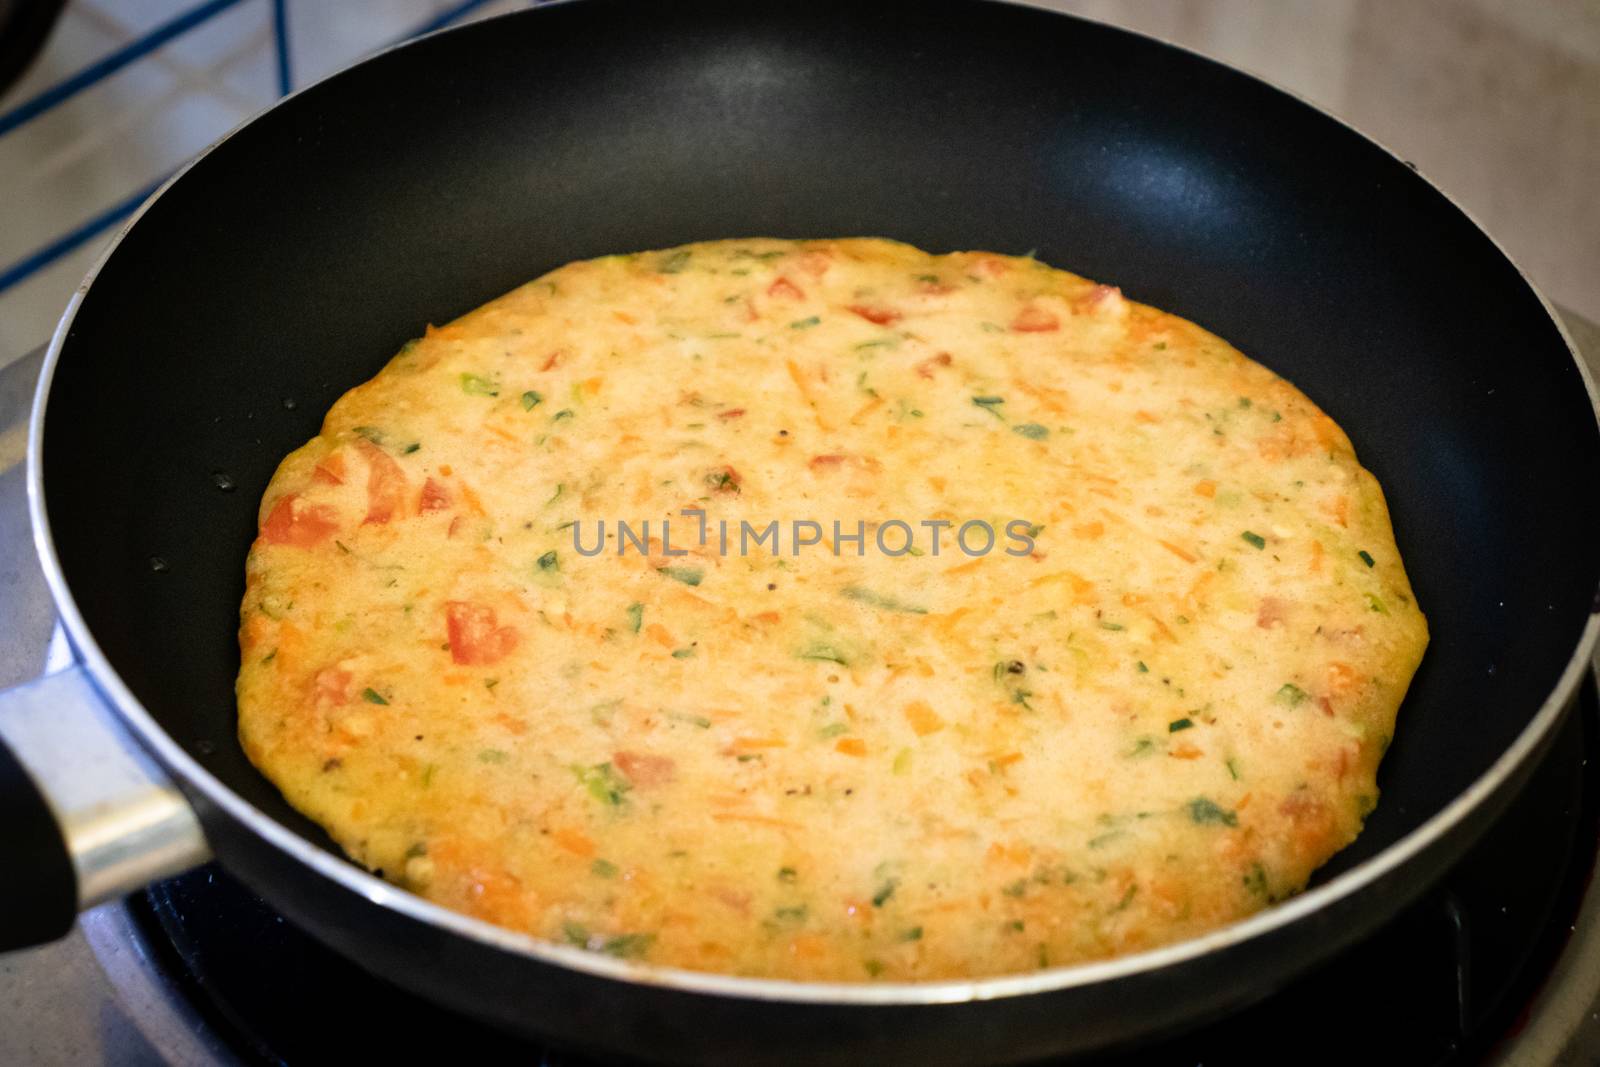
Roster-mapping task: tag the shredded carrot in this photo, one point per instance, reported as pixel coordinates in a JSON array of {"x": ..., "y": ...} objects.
[
  {"x": 1207, "y": 489},
  {"x": 574, "y": 842},
  {"x": 1089, "y": 531},
  {"x": 963, "y": 568},
  {"x": 923, "y": 719},
  {"x": 851, "y": 746},
  {"x": 1181, "y": 553},
  {"x": 741, "y": 743}
]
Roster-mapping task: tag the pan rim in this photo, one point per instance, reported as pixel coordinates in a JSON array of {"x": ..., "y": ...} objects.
[{"x": 350, "y": 876}]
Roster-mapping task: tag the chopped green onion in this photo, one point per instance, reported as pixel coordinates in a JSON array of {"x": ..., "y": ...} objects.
[
  {"x": 1365, "y": 558},
  {"x": 1255, "y": 539},
  {"x": 1179, "y": 724},
  {"x": 686, "y": 575},
  {"x": 478, "y": 385},
  {"x": 1204, "y": 810},
  {"x": 879, "y": 600},
  {"x": 1291, "y": 694}
]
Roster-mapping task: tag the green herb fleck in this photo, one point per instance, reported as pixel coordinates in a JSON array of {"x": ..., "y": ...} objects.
[
  {"x": 372, "y": 696},
  {"x": 879, "y": 600},
  {"x": 683, "y": 653},
  {"x": 1256, "y": 880},
  {"x": 1291, "y": 695},
  {"x": 531, "y": 399},
  {"x": 1032, "y": 431},
  {"x": 686, "y": 575},
  {"x": 788, "y": 875},
  {"x": 603, "y": 783},
  {"x": 1377, "y": 605},
  {"x": 1179, "y": 724},
  {"x": 833, "y": 729},
  {"x": 603, "y": 869},
  {"x": 1142, "y": 668},
  {"x": 628, "y": 946},
  {"x": 575, "y": 933},
  {"x": 635, "y": 616},
  {"x": 1017, "y": 888},
  {"x": 492, "y": 755},
  {"x": 825, "y": 653},
  {"x": 1255, "y": 539},
  {"x": 673, "y": 262},
  {"x": 547, "y": 562},
  {"x": 1111, "y": 626},
  {"x": 990, "y": 404},
  {"x": 1365, "y": 557},
  {"x": 804, "y": 324},
  {"x": 1204, "y": 810},
  {"x": 478, "y": 385},
  {"x": 885, "y": 891},
  {"x": 913, "y": 934}
]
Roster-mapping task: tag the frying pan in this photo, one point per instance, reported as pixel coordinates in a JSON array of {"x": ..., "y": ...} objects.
[{"x": 289, "y": 262}]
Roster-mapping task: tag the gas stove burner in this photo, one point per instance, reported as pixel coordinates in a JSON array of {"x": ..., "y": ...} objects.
[{"x": 1449, "y": 981}]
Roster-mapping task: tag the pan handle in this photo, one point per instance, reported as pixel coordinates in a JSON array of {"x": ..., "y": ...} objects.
[{"x": 87, "y": 814}]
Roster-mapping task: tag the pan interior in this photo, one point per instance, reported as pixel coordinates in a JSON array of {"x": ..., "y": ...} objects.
[{"x": 294, "y": 259}]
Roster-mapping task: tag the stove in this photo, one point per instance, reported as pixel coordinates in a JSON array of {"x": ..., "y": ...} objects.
[{"x": 1500, "y": 963}]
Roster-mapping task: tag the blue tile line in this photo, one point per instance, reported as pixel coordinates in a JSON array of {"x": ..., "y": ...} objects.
[
  {"x": 69, "y": 242},
  {"x": 41, "y": 258},
  {"x": 280, "y": 40},
  {"x": 104, "y": 68}
]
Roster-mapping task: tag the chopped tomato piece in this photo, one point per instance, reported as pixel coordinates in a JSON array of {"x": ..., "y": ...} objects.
[
  {"x": 645, "y": 770},
  {"x": 993, "y": 266},
  {"x": 475, "y": 634},
  {"x": 331, "y": 470},
  {"x": 386, "y": 486},
  {"x": 435, "y": 497},
  {"x": 926, "y": 368},
  {"x": 816, "y": 263},
  {"x": 292, "y": 522},
  {"x": 1035, "y": 320},
  {"x": 731, "y": 413},
  {"x": 785, "y": 288},
  {"x": 332, "y": 686},
  {"x": 879, "y": 316}
]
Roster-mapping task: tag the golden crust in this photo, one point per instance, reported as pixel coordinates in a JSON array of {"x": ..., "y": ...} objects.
[{"x": 813, "y": 766}]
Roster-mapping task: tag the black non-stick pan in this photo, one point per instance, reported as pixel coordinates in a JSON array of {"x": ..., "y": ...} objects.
[{"x": 297, "y": 255}]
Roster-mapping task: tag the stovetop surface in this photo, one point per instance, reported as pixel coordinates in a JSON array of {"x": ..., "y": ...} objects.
[{"x": 1501, "y": 962}]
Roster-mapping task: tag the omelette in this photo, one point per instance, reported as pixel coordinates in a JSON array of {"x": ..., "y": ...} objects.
[{"x": 828, "y": 610}]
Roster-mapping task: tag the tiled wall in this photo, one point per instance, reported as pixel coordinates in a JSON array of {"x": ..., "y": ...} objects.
[
  {"x": 137, "y": 126},
  {"x": 1497, "y": 100}
]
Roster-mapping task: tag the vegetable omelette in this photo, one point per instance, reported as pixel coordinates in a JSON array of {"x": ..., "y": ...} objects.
[{"x": 508, "y": 636}]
